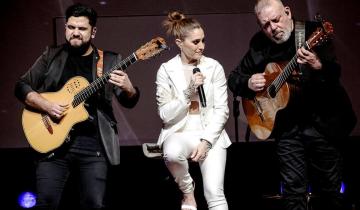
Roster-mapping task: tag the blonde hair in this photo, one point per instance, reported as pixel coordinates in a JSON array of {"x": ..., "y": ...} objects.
[{"x": 178, "y": 25}]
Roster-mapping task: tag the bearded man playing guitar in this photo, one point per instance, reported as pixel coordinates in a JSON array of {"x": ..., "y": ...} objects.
[
  {"x": 93, "y": 143},
  {"x": 292, "y": 93}
]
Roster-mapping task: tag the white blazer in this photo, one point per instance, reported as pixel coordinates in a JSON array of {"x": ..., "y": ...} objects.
[{"x": 173, "y": 108}]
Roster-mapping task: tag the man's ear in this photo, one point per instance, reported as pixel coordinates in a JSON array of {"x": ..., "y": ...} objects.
[
  {"x": 93, "y": 33},
  {"x": 288, "y": 11}
]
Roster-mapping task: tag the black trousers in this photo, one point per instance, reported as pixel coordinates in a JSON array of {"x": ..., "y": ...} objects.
[
  {"x": 52, "y": 175},
  {"x": 309, "y": 161}
]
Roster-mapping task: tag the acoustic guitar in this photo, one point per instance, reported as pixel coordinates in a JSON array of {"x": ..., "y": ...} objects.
[
  {"x": 261, "y": 110},
  {"x": 44, "y": 133}
]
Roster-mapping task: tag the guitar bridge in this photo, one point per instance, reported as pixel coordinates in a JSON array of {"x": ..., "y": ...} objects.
[
  {"x": 46, "y": 121},
  {"x": 259, "y": 110}
]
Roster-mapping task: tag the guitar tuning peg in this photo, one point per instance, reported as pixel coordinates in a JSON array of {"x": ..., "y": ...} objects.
[
  {"x": 162, "y": 45},
  {"x": 165, "y": 47},
  {"x": 318, "y": 18}
]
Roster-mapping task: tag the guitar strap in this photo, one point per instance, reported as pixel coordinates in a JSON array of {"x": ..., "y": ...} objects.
[
  {"x": 299, "y": 34},
  {"x": 299, "y": 38},
  {"x": 100, "y": 64}
]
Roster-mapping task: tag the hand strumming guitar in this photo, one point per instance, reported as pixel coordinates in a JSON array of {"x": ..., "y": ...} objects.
[
  {"x": 54, "y": 110},
  {"x": 257, "y": 82}
]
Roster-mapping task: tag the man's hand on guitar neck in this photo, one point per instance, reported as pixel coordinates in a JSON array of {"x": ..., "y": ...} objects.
[
  {"x": 121, "y": 79},
  {"x": 308, "y": 57},
  {"x": 257, "y": 82},
  {"x": 54, "y": 110}
]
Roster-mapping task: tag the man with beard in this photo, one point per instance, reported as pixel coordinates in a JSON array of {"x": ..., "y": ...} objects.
[
  {"x": 92, "y": 145},
  {"x": 318, "y": 116}
]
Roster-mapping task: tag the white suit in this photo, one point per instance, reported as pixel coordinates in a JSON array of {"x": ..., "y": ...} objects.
[
  {"x": 173, "y": 109},
  {"x": 172, "y": 106}
]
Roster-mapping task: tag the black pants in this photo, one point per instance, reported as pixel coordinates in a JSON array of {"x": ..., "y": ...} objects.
[
  {"x": 309, "y": 161},
  {"x": 52, "y": 175}
]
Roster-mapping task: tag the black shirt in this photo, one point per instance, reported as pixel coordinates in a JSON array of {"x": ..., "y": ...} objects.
[{"x": 84, "y": 137}]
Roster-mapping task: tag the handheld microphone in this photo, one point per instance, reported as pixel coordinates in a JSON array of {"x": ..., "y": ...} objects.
[{"x": 200, "y": 90}]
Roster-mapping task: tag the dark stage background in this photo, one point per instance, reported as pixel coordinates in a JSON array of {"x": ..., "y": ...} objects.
[{"x": 29, "y": 26}]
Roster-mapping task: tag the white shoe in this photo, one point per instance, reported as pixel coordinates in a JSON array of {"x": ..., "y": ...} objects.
[{"x": 184, "y": 206}]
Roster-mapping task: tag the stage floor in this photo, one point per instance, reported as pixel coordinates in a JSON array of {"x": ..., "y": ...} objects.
[{"x": 251, "y": 181}]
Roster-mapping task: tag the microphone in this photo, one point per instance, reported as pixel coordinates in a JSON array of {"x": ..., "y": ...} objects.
[{"x": 200, "y": 89}]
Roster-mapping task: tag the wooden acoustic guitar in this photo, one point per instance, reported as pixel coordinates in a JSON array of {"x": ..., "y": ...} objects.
[
  {"x": 261, "y": 110},
  {"x": 44, "y": 133}
]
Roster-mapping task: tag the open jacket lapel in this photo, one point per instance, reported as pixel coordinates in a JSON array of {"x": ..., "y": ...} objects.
[
  {"x": 176, "y": 76},
  {"x": 207, "y": 71}
]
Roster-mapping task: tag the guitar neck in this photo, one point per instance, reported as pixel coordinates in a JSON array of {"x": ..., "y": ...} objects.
[
  {"x": 284, "y": 75},
  {"x": 100, "y": 82}
]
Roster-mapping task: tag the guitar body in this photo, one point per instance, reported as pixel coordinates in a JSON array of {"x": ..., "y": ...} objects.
[
  {"x": 262, "y": 110},
  {"x": 45, "y": 134}
]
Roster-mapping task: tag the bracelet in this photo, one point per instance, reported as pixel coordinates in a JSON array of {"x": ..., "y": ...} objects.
[
  {"x": 189, "y": 91},
  {"x": 207, "y": 142}
]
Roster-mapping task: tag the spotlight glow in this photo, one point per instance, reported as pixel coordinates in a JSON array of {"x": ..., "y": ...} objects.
[
  {"x": 27, "y": 200},
  {"x": 342, "y": 188}
]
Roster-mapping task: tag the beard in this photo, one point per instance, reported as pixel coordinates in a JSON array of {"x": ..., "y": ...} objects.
[
  {"x": 286, "y": 33},
  {"x": 279, "y": 40},
  {"x": 78, "y": 50}
]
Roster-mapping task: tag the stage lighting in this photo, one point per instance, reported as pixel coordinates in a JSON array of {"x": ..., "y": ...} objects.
[
  {"x": 342, "y": 188},
  {"x": 27, "y": 200}
]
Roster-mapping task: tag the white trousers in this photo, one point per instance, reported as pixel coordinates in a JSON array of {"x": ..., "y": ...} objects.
[{"x": 177, "y": 149}]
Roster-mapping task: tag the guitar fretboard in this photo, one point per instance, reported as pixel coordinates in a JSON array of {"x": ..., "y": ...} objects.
[
  {"x": 97, "y": 84},
  {"x": 284, "y": 75}
]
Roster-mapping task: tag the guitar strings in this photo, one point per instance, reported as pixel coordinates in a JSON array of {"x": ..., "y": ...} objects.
[{"x": 101, "y": 81}]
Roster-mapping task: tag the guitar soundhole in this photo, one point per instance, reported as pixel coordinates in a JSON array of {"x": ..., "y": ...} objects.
[
  {"x": 77, "y": 84},
  {"x": 272, "y": 91},
  {"x": 72, "y": 87}
]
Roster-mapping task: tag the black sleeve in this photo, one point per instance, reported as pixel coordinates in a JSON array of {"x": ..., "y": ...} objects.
[
  {"x": 331, "y": 70},
  {"x": 238, "y": 78},
  {"x": 121, "y": 96},
  {"x": 251, "y": 63},
  {"x": 125, "y": 100},
  {"x": 33, "y": 78}
]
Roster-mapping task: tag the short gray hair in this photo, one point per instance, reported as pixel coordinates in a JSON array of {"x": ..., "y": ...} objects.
[{"x": 260, "y": 4}]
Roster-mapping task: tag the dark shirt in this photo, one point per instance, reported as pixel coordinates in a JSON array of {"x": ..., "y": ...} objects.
[{"x": 84, "y": 137}]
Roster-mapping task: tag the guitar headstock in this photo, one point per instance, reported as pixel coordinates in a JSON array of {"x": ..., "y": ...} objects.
[
  {"x": 321, "y": 34},
  {"x": 152, "y": 48}
]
